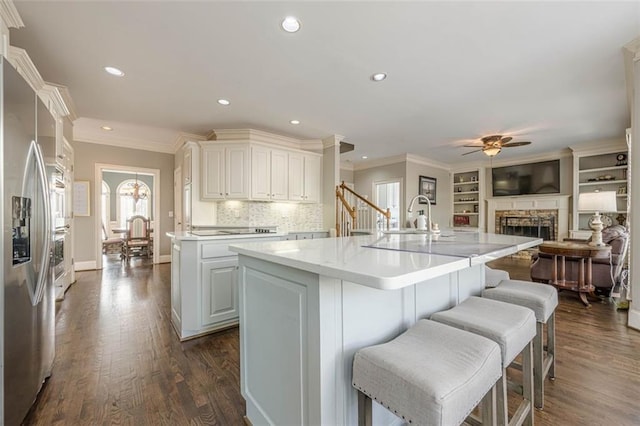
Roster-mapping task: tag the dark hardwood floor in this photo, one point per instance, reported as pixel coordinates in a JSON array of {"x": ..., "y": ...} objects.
[{"x": 118, "y": 360}]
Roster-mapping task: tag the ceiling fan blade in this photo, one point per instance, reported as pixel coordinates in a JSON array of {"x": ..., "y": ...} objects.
[
  {"x": 471, "y": 152},
  {"x": 505, "y": 140},
  {"x": 512, "y": 144}
]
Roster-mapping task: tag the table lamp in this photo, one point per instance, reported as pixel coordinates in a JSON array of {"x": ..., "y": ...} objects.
[{"x": 597, "y": 202}]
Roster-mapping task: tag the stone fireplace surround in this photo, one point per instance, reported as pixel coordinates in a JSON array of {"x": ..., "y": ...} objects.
[{"x": 530, "y": 206}]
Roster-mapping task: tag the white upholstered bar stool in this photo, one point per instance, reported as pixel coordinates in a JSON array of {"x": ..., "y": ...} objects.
[
  {"x": 493, "y": 277},
  {"x": 513, "y": 328},
  {"x": 432, "y": 374},
  {"x": 543, "y": 300}
]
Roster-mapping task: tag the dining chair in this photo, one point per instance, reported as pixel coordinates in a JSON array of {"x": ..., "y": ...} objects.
[
  {"x": 138, "y": 237},
  {"x": 110, "y": 244}
]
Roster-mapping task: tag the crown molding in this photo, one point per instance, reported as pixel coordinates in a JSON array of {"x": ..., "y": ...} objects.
[
  {"x": 21, "y": 61},
  {"x": 423, "y": 161},
  {"x": 332, "y": 140},
  {"x": 65, "y": 99},
  {"x": 183, "y": 138},
  {"x": 312, "y": 145},
  {"x": 600, "y": 147},
  {"x": 253, "y": 135},
  {"x": 546, "y": 156},
  {"x": 123, "y": 142},
  {"x": 9, "y": 14},
  {"x": 402, "y": 158},
  {"x": 379, "y": 162},
  {"x": 52, "y": 95},
  {"x": 56, "y": 97}
]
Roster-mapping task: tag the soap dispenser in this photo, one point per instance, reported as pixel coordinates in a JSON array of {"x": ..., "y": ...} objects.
[{"x": 421, "y": 222}]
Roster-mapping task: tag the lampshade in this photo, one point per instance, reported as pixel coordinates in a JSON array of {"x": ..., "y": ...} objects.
[
  {"x": 492, "y": 151},
  {"x": 604, "y": 201}
]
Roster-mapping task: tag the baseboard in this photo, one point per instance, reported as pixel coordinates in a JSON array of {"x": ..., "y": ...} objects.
[
  {"x": 89, "y": 265},
  {"x": 634, "y": 316},
  {"x": 164, "y": 258}
]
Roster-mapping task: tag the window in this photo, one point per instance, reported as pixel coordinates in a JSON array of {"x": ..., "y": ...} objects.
[{"x": 134, "y": 198}]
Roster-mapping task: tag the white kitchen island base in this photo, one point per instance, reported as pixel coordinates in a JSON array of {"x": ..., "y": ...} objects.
[
  {"x": 305, "y": 330},
  {"x": 299, "y": 329}
]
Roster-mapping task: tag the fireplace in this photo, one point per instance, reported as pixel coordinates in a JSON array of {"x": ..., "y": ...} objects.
[
  {"x": 543, "y": 216},
  {"x": 528, "y": 226},
  {"x": 541, "y": 223}
]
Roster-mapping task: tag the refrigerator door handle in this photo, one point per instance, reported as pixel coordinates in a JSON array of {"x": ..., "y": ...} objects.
[{"x": 46, "y": 251}]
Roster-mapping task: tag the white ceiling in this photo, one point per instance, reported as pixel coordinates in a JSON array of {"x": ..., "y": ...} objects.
[{"x": 549, "y": 72}]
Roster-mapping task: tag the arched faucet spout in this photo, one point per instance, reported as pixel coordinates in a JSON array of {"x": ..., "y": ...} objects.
[{"x": 424, "y": 197}]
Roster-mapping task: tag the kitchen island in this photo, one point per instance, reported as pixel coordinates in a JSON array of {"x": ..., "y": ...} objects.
[
  {"x": 204, "y": 286},
  {"x": 307, "y": 306}
]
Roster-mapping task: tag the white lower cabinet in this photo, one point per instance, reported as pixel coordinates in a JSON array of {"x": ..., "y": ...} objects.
[
  {"x": 204, "y": 284},
  {"x": 219, "y": 291}
]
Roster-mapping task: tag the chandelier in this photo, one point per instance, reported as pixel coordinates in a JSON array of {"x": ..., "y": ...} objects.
[{"x": 138, "y": 191}]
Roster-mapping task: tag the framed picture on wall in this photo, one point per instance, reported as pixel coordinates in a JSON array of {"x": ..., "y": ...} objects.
[
  {"x": 427, "y": 187},
  {"x": 81, "y": 198}
]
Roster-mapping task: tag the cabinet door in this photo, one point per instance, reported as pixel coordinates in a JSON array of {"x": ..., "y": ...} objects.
[
  {"x": 237, "y": 172},
  {"x": 296, "y": 177},
  {"x": 186, "y": 207},
  {"x": 312, "y": 179},
  {"x": 219, "y": 291},
  {"x": 260, "y": 173},
  {"x": 279, "y": 175},
  {"x": 212, "y": 173},
  {"x": 176, "y": 297},
  {"x": 186, "y": 165}
]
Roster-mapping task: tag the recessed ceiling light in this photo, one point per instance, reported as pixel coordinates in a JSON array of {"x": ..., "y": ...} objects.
[
  {"x": 106, "y": 128},
  {"x": 291, "y": 24},
  {"x": 364, "y": 157},
  {"x": 295, "y": 122},
  {"x": 114, "y": 71},
  {"x": 378, "y": 76},
  {"x": 223, "y": 102}
]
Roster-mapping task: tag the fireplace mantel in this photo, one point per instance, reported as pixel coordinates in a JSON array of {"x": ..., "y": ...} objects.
[{"x": 540, "y": 202}]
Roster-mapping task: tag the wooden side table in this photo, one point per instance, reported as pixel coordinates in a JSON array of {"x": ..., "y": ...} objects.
[{"x": 582, "y": 253}]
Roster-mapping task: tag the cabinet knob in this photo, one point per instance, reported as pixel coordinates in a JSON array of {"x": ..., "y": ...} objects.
[
  {"x": 221, "y": 193},
  {"x": 226, "y": 193}
]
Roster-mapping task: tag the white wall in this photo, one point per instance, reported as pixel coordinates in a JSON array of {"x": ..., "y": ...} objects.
[{"x": 441, "y": 211}]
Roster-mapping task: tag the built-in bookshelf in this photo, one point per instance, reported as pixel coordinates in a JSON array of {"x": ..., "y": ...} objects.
[
  {"x": 602, "y": 171},
  {"x": 468, "y": 201}
]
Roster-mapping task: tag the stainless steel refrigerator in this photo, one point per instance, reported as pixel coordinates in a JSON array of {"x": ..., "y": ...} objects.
[{"x": 28, "y": 306}]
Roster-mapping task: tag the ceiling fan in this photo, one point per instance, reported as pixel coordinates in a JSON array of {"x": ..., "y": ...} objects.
[{"x": 492, "y": 145}]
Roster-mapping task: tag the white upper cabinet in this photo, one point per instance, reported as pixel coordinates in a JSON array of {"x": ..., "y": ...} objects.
[
  {"x": 245, "y": 170},
  {"x": 269, "y": 176},
  {"x": 225, "y": 171},
  {"x": 304, "y": 177}
]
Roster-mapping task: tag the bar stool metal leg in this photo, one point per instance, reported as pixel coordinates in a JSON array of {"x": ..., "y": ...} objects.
[{"x": 551, "y": 345}]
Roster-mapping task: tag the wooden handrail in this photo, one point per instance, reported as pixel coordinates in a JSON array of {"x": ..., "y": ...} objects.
[
  {"x": 386, "y": 214},
  {"x": 343, "y": 226},
  {"x": 351, "y": 210}
]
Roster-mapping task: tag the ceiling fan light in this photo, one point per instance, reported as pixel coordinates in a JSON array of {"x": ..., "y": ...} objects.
[{"x": 492, "y": 151}]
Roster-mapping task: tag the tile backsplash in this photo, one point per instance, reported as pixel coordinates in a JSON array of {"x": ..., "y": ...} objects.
[{"x": 287, "y": 217}]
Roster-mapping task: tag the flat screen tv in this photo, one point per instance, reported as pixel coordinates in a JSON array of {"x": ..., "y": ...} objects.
[{"x": 526, "y": 179}]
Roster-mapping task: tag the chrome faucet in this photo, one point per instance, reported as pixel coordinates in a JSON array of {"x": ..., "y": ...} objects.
[{"x": 410, "y": 209}]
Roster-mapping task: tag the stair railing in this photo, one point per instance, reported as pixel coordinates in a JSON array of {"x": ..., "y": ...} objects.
[{"x": 354, "y": 212}]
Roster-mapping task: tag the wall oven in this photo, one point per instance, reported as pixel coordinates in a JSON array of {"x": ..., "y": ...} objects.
[
  {"x": 58, "y": 253},
  {"x": 58, "y": 199}
]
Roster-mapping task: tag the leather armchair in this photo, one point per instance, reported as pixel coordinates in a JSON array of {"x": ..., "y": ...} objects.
[{"x": 605, "y": 272}]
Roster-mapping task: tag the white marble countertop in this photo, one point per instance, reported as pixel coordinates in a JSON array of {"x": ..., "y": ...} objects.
[
  {"x": 188, "y": 236},
  {"x": 386, "y": 267}
]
